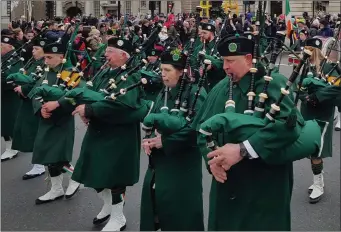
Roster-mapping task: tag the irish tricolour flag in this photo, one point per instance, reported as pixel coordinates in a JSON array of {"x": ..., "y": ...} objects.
[{"x": 288, "y": 17}]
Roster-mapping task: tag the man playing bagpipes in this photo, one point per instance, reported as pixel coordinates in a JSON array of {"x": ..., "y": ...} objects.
[
  {"x": 110, "y": 155},
  {"x": 10, "y": 63},
  {"x": 320, "y": 94},
  {"x": 206, "y": 49},
  {"x": 26, "y": 124},
  {"x": 252, "y": 167},
  {"x": 172, "y": 189},
  {"x": 53, "y": 146}
]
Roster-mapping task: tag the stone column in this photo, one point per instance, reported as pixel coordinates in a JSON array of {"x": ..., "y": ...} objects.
[{"x": 59, "y": 8}]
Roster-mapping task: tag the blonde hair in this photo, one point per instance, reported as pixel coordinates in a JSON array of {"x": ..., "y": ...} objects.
[{"x": 316, "y": 56}]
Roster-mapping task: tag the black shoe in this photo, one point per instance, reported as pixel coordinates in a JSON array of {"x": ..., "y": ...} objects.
[
  {"x": 39, "y": 202},
  {"x": 71, "y": 195},
  {"x": 97, "y": 221},
  {"x": 9, "y": 158},
  {"x": 337, "y": 129},
  {"x": 314, "y": 200},
  {"x": 123, "y": 227},
  {"x": 27, "y": 177}
]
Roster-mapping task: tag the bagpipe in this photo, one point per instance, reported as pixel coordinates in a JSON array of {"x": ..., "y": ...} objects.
[
  {"x": 182, "y": 114},
  {"x": 238, "y": 127},
  {"x": 16, "y": 55},
  {"x": 23, "y": 78},
  {"x": 313, "y": 84},
  {"x": 88, "y": 95},
  {"x": 67, "y": 78}
]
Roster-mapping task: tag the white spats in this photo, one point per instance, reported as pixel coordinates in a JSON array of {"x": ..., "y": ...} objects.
[
  {"x": 55, "y": 193},
  {"x": 317, "y": 189},
  {"x": 117, "y": 220},
  {"x": 36, "y": 170},
  {"x": 105, "y": 195},
  {"x": 9, "y": 153},
  {"x": 71, "y": 189}
]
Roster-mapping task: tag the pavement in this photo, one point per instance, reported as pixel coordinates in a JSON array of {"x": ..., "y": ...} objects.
[{"x": 19, "y": 212}]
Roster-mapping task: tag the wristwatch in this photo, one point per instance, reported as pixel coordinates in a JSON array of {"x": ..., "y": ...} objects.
[{"x": 243, "y": 152}]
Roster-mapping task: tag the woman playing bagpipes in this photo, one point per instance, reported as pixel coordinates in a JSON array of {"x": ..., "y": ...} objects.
[
  {"x": 318, "y": 102},
  {"x": 26, "y": 124},
  {"x": 172, "y": 188},
  {"x": 252, "y": 171}
]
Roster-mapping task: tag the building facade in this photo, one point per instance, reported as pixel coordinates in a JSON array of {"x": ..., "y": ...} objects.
[{"x": 42, "y": 9}]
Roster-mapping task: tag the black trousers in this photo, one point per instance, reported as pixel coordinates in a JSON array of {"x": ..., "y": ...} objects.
[
  {"x": 57, "y": 168},
  {"x": 117, "y": 194}
]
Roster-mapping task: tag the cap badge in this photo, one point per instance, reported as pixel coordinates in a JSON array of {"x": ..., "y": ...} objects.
[
  {"x": 42, "y": 43},
  {"x": 209, "y": 27},
  {"x": 6, "y": 39},
  {"x": 233, "y": 47},
  {"x": 120, "y": 43},
  {"x": 54, "y": 49},
  {"x": 176, "y": 54},
  {"x": 176, "y": 57},
  {"x": 153, "y": 53},
  {"x": 249, "y": 37},
  {"x": 317, "y": 43}
]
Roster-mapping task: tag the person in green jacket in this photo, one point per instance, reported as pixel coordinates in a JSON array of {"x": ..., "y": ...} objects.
[
  {"x": 313, "y": 107},
  {"x": 152, "y": 73},
  {"x": 9, "y": 99},
  {"x": 251, "y": 184},
  {"x": 215, "y": 73},
  {"x": 172, "y": 194},
  {"x": 53, "y": 145},
  {"x": 110, "y": 155},
  {"x": 26, "y": 124}
]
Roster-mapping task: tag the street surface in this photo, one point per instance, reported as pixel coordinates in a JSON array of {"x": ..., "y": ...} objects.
[{"x": 19, "y": 212}]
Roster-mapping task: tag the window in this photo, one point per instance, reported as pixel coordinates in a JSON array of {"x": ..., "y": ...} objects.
[
  {"x": 143, "y": 4},
  {"x": 112, "y": 2},
  {"x": 97, "y": 10},
  {"x": 128, "y": 7},
  {"x": 321, "y": 6}
]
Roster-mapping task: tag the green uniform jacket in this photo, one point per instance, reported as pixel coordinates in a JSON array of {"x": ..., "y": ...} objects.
[
  {"x": 324, "y": 112},
  {"x": 110, "y": 153},
  {"x": 9, "y": 100},
  {"x": 26, "y": 124},
  {"x": 256, "y": 195},
  {"x": 155, "y": 84},
  {"x": 55, "y": 135},
  {"x": 216, "y": 73},
  {"x": 177, "y": 170}
]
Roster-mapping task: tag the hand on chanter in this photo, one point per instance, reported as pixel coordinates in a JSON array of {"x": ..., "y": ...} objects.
[
  {"x": 51, "y": 106},
  {"x": 80, "y": 110},
  {"x": 225, "y": 156},
  {"x": 19, "y": 91},
  {"x": 218, "y": 172},
  {"x": 44, "y": 113},
  {"x": 312, "y": 100}
]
